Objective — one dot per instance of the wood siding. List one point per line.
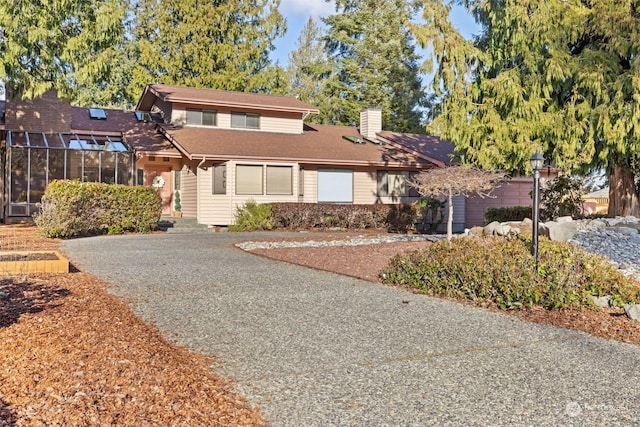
(270, 121)
(188, 194)
(213, 209)
(512, 193)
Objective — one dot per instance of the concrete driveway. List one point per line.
(318, 349)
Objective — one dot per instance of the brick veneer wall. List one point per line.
(44, 114)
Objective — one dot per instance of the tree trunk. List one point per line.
(450, 217)
(624, 194)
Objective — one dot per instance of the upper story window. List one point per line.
(245, 121)
(201, 117)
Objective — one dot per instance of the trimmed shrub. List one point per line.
(511, 213)
(500, 271)
(395, 218)
(252, 217)
(74, 208)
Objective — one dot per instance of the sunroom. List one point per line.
(33, 159)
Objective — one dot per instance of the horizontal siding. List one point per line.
(188, 194)
(213, 209)
(310, 185)
(281, 124)
(269, 121)
(511, 193)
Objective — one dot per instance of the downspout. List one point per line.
(201, 163)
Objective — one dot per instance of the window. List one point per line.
(394, 183)
(142, 116)
(248, 179)
(279, 180)
(201, 117)
(176, 180)
(220, 179)
(97, 114)
(140, 176)
(245, 121)
(335, 186)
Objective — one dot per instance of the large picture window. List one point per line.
(245, 121)
(395, 184)
(335, 186)
(249, 179)
(279, 180)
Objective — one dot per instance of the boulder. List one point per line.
(563, 219)
(602, 301)
(561, 232)
(476, 231)
(632, 311)
(491, 228)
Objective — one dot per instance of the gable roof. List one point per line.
(221, 98)
(318, 145)
(431, 147)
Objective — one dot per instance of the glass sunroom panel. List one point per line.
(91, 166)
(108, 165)
(56, 164)
(123, 173)
(38, 174)
(19, 174)
(74, 164)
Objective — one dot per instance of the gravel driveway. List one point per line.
(312, 348)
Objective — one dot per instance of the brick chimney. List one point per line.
(370, 122)
(47, 113)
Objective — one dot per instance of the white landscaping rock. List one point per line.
(561, 232)
(563, 219)
(602, 302)
(632, 311)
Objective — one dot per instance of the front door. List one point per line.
(160, 178)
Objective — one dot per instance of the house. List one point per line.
(219, 149)
(237, 147)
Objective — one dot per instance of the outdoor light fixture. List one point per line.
(537, 162)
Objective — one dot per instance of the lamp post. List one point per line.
(537, 162)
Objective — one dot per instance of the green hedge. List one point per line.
(395, 218)
(74, 208)
(512, 213)
(502, 272)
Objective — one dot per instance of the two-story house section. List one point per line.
(237, 147)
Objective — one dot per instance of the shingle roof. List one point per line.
(318, 144)
(213, 97)
(143, 137)
(429, 146)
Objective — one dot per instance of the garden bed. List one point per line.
(26, 262)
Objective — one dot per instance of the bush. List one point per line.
(74, 208)
(562, 197)
(252, 217)
(306, 216)
(502, 272)
(512, 213)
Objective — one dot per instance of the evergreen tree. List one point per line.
(222, 45)
(58, 44)
(376, 61)
(559, 76)
(309, 68)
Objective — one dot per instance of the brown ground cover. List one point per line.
(72, 354)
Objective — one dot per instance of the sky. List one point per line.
(297, 12)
